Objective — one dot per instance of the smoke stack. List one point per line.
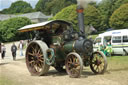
(81, 4)
(81, 20)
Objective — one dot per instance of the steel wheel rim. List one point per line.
(98, 63)
(34, 59)
(73, 66)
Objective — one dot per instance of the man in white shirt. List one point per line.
(21, 48)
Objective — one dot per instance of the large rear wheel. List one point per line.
(98, 62)
(74, 65)
(35, 58)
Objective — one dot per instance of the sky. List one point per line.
(6, 3)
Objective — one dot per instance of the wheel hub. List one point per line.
(98, 62)
(72, 65)
(35, 58)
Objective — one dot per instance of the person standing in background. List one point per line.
(21, 48)
(13, 50)
(3, 50)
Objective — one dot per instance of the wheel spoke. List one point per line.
(38, 52)
(69, 62)
(41, 60)
(94, 65)
(76, 71)
(96, 56)
(70, 59)
(31, 63)
(37, 67)
(99, 69)
(30, 54)
(74, 59)
(78, 67)
(96, 68)
(36, 48)
(102, 60)
(73, 71)
(102, 66)
(40, 65)
(40, 55)
(33, 50)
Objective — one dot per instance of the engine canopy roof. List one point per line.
(48, 25)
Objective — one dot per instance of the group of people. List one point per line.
(106, 49)
(13, 50)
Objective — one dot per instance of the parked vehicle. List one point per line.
(57, 44)
(117, 38)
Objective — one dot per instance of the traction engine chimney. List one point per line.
(81, 20)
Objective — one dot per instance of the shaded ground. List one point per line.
(16, 72)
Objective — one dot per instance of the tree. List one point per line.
(52, 6)
(41, 5)
(9, 28)
(119, 19)
(1, 32)
(18, 7)
(107, 7)
(92, 16)
(118, 3)
(106, 10)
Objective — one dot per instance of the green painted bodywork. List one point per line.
(60, 54)
(68, 47)
(61, 51)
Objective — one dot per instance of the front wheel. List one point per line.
(98, 62)
(74, 65)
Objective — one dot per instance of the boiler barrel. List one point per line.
(69, 46)
(83, 46)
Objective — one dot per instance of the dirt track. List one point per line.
(17, 71)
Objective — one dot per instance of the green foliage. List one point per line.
(118, 62)
(9, 28)
(18, 7)
(118, 3)
(52, 6)
(119, 19)
(91, 16)
(106, 10)
(107, 7)
(41, 5)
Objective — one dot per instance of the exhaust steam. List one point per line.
(84, 3)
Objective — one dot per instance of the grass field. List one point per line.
(117, 63)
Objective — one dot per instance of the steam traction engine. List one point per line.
(57, 44)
